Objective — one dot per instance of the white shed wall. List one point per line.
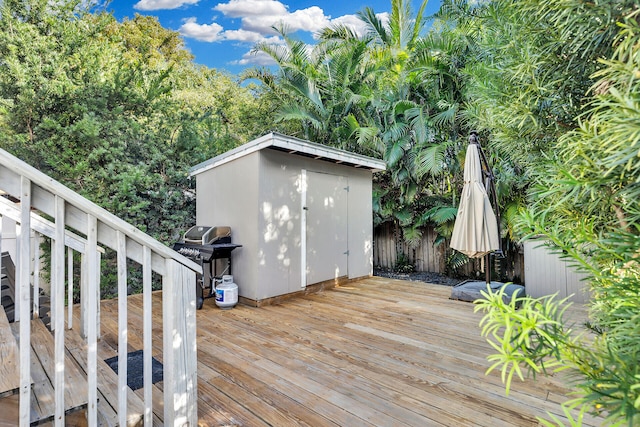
(280, 174)
(546, 274)
(278, 226)
(360, 224)
(260, 197)
(228, 196)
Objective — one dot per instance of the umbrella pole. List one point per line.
(487, 268)
(489, 186)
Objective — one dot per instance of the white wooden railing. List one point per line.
(77, 225)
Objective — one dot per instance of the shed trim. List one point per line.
(295, 146)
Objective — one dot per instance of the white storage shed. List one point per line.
(301, 211)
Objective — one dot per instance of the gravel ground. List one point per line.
(419, 276)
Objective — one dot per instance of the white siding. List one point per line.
(259, 197)
(360, 224)
(228, 196)
(546, 274)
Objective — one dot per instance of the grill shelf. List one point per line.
(218, 246)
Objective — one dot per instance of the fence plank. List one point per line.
(388, 245)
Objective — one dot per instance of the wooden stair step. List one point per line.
(9, 359)
(107, 385)
(43, 377)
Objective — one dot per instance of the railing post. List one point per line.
(40, 198)
(36, 277)
(57, 307)
(92, 319)
(69, 288)
(121, 244)
(84, 293)
(23, 302)
(147, 312)
(179, 347)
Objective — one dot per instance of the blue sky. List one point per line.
(221, 33)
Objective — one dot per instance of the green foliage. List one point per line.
(391, 93)
(585, 201)
(117, 111)
(526, 332)
(454, 261)
(403, 265)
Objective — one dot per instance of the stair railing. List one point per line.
(74, 224)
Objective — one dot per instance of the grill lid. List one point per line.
(206, 235)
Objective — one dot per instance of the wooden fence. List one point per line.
(390, 251)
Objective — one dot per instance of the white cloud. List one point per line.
(162, 4)
(243, 36)
(311, 19)
(255, 59)
(214, 32)
(353, 22)
(261, 15)
(257, 17)
(203, 32)
(244, 8)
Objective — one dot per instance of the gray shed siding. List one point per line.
(260, 197)
(228, 195)
(546, 274)
(278, 227)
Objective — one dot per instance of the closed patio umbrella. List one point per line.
(475, 232)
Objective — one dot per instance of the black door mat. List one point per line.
(135, 369)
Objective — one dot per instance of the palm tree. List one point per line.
(374, 94)
(322, 88)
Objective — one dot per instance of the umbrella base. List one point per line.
(469, 290)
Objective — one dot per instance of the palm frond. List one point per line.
(441, 214)
(430, 160)
(412, 236)
(393, 154)
(376, 30)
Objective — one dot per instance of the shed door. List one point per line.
(326, 227)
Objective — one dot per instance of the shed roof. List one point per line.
(289, 144)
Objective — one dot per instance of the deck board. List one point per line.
(42, 376)
(9, 368)
(107, 384)
(376, 352)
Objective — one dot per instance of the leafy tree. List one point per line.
(116, 111)
(389, 93)
(586, 203)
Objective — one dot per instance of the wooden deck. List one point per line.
(377, 352)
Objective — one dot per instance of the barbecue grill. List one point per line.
(205, 244)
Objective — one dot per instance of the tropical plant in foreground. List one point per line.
(587, 203)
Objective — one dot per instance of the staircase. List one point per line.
(9, 292)
(43, 376)
(9, 373)
(50, 373)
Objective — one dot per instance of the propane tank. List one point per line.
(226, 293)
